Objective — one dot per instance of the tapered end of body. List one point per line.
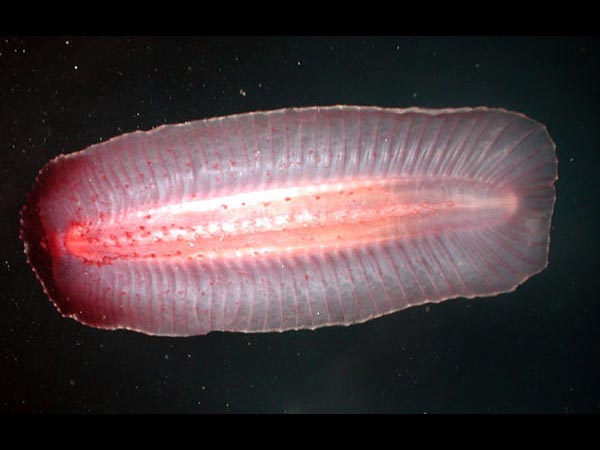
(39, 237)
(50, 209)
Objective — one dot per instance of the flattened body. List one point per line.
(288, 219)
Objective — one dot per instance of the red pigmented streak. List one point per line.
(288, 221)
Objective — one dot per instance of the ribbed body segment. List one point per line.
(289, 219)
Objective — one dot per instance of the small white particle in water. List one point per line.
(414, 95)
(166, 356)
(299, 63)
(242, 92)
(75, 67)
(571, 159)
(67, 42)
(477, 66)
(203, 388)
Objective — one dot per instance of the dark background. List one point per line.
(533, 350)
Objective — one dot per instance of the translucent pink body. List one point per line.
(291, 219)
